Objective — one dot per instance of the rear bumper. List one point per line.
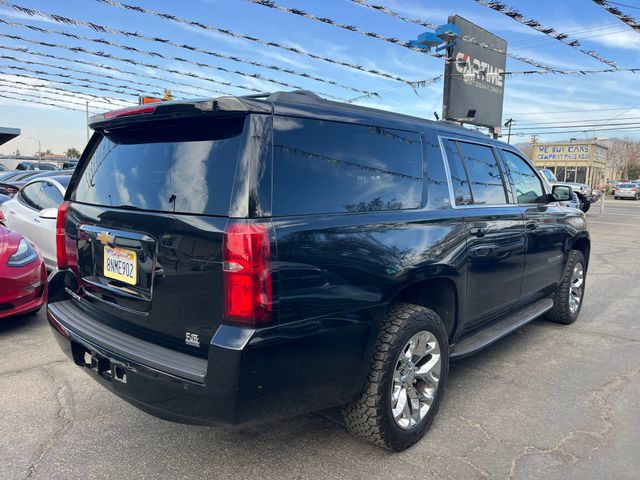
(625, 194)
(249, 375)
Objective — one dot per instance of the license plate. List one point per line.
(121, 264)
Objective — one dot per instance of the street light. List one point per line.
(39, 146)
(86, 104)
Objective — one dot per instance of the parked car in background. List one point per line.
(3, 168)
(627, 190)
(70, 165)
(14, 184)
(550, 179)
(36, 166)
(259, 257)
(33, 210)
(23, 275)
(4, 198)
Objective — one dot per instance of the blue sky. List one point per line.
(528, 99)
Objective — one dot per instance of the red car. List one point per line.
(23, 276)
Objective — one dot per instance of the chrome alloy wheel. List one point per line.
(576, 287)
(415, 380)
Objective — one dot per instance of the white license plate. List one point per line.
(121, 264)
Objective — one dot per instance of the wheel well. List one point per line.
(438, 294)
(583, 245)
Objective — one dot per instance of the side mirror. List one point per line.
(48, 213)
(562, 192)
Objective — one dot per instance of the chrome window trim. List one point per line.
(452, 199)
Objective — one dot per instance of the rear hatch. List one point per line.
(146, 220)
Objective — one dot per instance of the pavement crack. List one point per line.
(63, 414)
(42, 366)
(600, 437)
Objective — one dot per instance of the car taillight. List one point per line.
(61, 247)
(634, 189)
(246, 277)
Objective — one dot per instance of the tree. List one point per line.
(72, 153)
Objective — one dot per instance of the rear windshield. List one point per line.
(626, 185)
(184, 166)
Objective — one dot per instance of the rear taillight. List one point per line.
(61, 247)
(634, 189)
(246, 277)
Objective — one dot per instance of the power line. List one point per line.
(267, 43)
(619, 14)
(565, 122)
(529, 22)
(513, 114)
(564, 132)
(105, 66)
(165, 41)
(625, 5)
(427, 24)
(585, 125)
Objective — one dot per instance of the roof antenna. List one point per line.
(435, 114)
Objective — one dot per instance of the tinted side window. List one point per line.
(330, 167)
(487, 187)
(184, 166)
(459, 180)
(527, 184)
(50, 196)
(30, 195)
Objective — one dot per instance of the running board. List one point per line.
(479, 339)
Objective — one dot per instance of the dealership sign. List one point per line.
(561, 152)
(474, 80)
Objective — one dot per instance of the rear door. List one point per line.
(23, 209)
(495, 231)
(147, 215)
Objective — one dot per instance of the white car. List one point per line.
(33, 211)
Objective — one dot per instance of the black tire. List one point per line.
(561, 311)
(370, 416)
(615, 198)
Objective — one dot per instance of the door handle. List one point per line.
(478, 231)
(12, 212)
(36, 219)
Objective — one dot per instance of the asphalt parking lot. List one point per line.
(549, 401)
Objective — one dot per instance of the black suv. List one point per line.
(259, 257)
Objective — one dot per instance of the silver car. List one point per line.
(627, 190)
(33, 211)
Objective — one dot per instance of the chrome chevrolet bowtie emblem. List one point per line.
(105, 238)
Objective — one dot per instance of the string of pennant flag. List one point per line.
(465, 38)
(619, 14)
(242, 36)
(536, 25)
(103, 66)
(115, 31)
(155, 54)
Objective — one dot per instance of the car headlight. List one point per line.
(25, 254)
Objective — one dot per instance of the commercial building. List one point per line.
(583, 162)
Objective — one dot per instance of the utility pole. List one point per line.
(86, 104)
(39, 146)
(508, 124)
